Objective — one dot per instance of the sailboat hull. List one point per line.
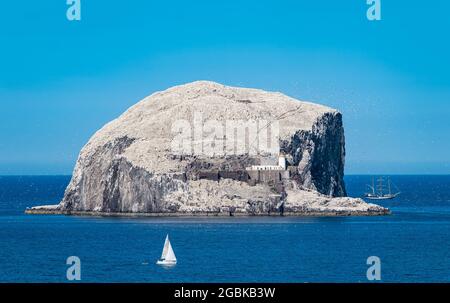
(385, 197)
(380, 198)
(166, 262)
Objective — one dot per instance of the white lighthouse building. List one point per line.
(281, 164)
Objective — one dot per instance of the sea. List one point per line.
(412, 244)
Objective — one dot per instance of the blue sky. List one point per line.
(60, 81)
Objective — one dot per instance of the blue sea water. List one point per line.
(413, 243)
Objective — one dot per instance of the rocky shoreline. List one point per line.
(51, 210)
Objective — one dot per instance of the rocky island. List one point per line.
(207, 149)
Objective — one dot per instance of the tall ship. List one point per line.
(379, 191)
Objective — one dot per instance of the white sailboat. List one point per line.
(167, 256)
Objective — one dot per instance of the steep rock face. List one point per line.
(319, 155)
(129, 166)
(108, 182)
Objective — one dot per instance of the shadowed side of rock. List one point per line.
(319, 156)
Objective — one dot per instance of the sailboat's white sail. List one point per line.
(167, 256)
(165, 248)
(170, 256)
